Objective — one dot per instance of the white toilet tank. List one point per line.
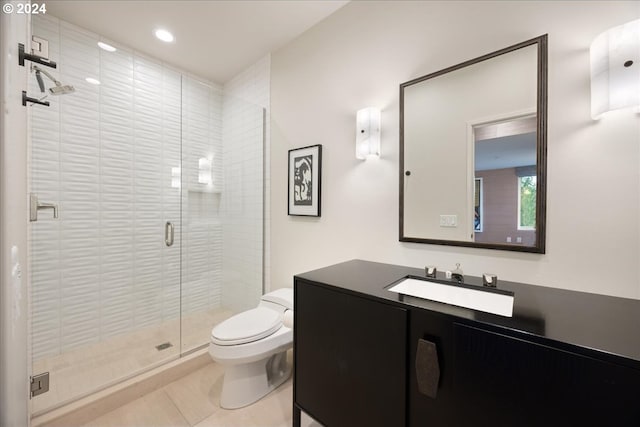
(282, 297)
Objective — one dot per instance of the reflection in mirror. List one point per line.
(505, 181)
(473, 152)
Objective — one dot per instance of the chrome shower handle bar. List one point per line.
(35, 206)
(168, 234)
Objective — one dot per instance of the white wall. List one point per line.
(358, 56)
(14, 311)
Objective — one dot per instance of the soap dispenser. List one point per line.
(457, 274)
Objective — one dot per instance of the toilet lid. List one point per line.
(248, 326)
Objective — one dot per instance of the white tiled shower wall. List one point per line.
(110, 155)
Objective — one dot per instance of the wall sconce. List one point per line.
(204, 170)
(175, 177)
(368, 133)
(615, 69)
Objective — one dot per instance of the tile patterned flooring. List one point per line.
(193, 401)
(84, 370)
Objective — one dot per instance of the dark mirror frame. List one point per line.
(541, 142)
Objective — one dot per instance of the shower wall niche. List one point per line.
(126, 160)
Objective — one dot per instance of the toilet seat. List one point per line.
(248, 326)
(252, 346)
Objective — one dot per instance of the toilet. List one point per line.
(252, 346)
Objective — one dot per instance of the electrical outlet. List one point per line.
(509, 239)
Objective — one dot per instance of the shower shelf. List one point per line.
(204, 190)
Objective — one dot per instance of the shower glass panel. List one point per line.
(243, 204)
(105, 285)
(160, 228)
(222, 263)
(202, 221)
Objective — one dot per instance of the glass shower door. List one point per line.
(105, 274)
(159, 181)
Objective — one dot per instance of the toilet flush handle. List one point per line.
(287, 318)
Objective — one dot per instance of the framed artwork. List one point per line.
(305, 172)
(477, 208)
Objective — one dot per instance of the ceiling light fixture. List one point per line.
(107, 47)
(92, 81)
(164, 35)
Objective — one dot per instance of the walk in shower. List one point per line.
(158, 181)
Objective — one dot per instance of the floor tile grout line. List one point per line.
(164, 389)
(186, 421)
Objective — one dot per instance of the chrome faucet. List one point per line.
(490, 280)
(430, 271)
(457, 274)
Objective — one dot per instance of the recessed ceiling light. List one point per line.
(92, 81)
(106, 47)
(164, 35)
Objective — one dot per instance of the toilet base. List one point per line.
(247, 383)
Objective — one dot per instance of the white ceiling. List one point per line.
(506, 152)
(213, 39)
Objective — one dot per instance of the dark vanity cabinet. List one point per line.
(349, 365)
(365, 357)
(523, 383)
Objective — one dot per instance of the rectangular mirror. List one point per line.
(473, 152)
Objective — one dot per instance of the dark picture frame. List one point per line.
(305, 181)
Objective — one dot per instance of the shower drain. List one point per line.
(164, 346)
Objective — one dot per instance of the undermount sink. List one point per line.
(489, 300)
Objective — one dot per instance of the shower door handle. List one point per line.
(168, 234)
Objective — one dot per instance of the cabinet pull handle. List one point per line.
(427, 368)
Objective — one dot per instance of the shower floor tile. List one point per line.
(84, 370)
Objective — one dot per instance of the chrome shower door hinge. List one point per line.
(39, 384)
